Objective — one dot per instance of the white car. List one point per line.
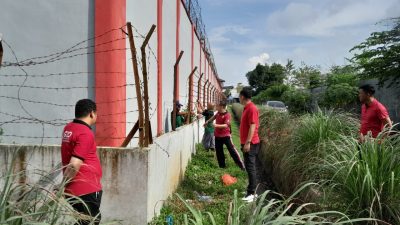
(276, 105)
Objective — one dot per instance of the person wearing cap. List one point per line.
(223, 136)
(180, 116)
(208, 140)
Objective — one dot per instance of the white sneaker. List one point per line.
(250, 198)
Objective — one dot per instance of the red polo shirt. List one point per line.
(78, 141)
(372, 118)
(223, 118)
(249, 116)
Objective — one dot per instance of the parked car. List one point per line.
(276, 105)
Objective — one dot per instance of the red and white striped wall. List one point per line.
(174, 33)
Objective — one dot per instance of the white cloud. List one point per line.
(323, 18)
(260, 59)
(220, 34)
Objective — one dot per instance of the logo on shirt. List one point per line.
(66, 136)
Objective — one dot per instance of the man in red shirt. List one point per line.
(374, 116)
(223, 136)
(81, 165)
(250, 142)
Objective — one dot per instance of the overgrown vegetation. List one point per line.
(360, 180)
(269, 210)
(203, 178)
(23, 202)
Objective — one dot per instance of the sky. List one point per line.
(243, 33)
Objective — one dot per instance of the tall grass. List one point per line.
(292, 143)
(364, 179)
(269, 210)
(35, 203)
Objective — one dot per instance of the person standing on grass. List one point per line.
(374, 115)
(81, 165)
(223, 136)
(208, 140)
(250, 142)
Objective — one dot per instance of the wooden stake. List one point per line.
(137, 83)
(204, 93)
(199, 88)
(175, 90)
(146, 86)
(189, 117)
(130, 135)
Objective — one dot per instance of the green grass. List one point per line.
(204, 176)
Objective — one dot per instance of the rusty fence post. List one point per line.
(189, 116)
(204, 93)
(199, 88)
(137, 83)
(147, 124)
(208, 91)
(175, 90)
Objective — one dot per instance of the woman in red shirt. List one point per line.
(223, 136)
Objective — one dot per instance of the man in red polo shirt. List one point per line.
(374, 116)
(250, 142)
(81, 164)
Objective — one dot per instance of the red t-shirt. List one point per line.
(372, 118)
(78, 141)
(223, 118)
(249, 116)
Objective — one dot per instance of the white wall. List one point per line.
(44, 27)
(37, 28)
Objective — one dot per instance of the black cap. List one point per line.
(178, 104)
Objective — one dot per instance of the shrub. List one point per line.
(274, 92)
(339, 95)
(297, 100)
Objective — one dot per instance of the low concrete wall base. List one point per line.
(135, 181)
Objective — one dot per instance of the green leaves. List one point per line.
(264, 76)
(379, 55)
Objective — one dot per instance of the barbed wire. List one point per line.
(63, 105)
(74, 51)
(66, 88)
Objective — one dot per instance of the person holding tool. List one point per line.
(223, 136)
(208, 140)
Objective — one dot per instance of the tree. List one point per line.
(264, 76)
(341, 87)
(297, 100)
(274, 92)
(307, 77)
(379, 55)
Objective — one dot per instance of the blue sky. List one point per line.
(243, 33)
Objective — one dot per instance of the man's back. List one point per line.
(78, 141)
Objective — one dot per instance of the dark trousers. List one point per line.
(252, 163)
(219, 148)
(89, 205)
